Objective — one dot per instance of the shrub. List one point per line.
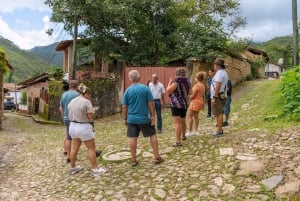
(24, 98)
(290, 93)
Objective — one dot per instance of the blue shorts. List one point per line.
(178, 112)
(226, 109)
(67, 125)
(133, 130)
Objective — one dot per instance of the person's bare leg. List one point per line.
(65, 141)
(68, 148)
(219, 118)
(133, 146)
(154, 145)
(183, 126)
(196, 120)
(76, 143)
(90, 144)
(178, 129)
(226, 117)
(190, 120)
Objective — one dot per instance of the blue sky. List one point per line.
(25, 22)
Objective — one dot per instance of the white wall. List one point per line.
(14, 96)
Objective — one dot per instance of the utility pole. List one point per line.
(295, 33)
(74, 54)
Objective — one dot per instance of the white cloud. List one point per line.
(266, 19)
(8, 6)
(27, 39)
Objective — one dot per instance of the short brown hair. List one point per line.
(200, 76)
(73, 84)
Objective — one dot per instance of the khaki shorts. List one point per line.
(217, 108)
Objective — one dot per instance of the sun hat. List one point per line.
(220, 62)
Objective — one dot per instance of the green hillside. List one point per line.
(49, 54)
(25, 63)
(279, 47)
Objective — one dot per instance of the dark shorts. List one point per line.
(218, 107)
(178, 112)
(67, 125)
(133, 130)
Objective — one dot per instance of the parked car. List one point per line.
(8, 105)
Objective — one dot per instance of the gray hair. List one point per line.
(133, 75)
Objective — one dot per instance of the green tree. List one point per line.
(152, 32)
(290, 93)
(24, 98)
(3, 69)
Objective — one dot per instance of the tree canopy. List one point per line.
(152, 31)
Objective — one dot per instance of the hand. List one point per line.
(152, 121)
(213, 101)
(171, 80)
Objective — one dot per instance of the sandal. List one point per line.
(177, 144)
(158, 160)
(134, 164)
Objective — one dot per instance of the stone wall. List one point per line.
(237, 70)
(105, 95)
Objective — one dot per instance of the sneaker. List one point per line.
(159, 131)
(98, 153)
(189, 134)
(217, 133)
(75, 170)
(225, 123)
(208, 117)
(99, 171)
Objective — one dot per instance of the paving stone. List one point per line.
(288, 189)
(226, 151)
(251, 167)
(272, 182)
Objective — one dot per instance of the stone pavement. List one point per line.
(253, 166)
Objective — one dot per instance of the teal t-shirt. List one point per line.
(137, 98)
(65, 100)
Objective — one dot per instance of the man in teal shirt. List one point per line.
(64, 102)
(136, 105)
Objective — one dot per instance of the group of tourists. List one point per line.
(141, 111)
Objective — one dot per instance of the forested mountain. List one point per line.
(279, 47)
(49, 54)
(25, 63)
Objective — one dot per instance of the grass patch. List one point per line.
(261, 101)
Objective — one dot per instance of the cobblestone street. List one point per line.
(250, 164)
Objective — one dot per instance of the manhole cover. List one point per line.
(119, 155)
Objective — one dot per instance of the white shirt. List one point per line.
(220, 76)
(157, 90)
